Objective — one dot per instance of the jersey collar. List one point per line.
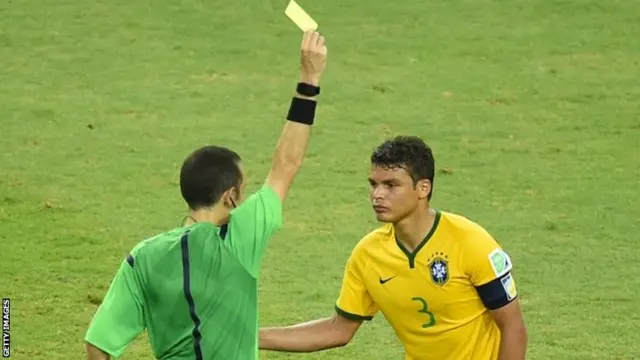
(412, 255)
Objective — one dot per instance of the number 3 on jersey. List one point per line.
(424, 309)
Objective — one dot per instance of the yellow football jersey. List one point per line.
(436, 298)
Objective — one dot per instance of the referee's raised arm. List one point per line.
(292, 145)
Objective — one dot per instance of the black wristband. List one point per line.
(302, 111)
(307, 89)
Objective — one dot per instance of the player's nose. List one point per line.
(379, 194)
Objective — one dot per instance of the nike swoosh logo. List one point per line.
(382, 281)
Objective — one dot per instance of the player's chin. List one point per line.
(385, 217)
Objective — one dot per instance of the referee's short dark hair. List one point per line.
(207, 173)
(410, 153)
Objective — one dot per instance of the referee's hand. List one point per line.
(313, 57)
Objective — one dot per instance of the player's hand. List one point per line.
(313, 57)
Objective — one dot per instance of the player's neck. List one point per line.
(411, 230)
(216, 215)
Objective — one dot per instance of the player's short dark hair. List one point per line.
(410, 153)
(207, 173)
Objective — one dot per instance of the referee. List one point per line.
(194, 288)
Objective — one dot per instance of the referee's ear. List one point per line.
(231, 198)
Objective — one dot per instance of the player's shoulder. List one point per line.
(465, 230)
(374, 239)
(477, 244)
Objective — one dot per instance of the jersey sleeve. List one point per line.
(119, 319)
(355, 302)
(252, 225)
(489, 269)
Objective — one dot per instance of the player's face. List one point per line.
(393, 194)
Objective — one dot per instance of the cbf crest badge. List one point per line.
(439, 268)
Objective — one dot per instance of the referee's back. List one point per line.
(197, 297)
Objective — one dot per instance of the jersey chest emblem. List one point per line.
(439, 268)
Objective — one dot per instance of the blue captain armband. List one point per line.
(498, 292)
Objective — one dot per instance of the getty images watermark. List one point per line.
(6, 320)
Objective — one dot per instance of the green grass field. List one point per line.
(532, 109)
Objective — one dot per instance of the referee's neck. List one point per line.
(215, 215)
(411, 230)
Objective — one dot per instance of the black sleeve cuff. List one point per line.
(350, 316)
(493, 294)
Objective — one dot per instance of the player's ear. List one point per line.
(424, 188)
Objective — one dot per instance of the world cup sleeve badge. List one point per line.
(500, 262)
(509, 286)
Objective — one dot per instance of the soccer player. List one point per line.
(441, 280)
(194, 288)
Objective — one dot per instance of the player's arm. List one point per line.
(316, 335)
(119, 319)
(489, 268)
(294, 138)
(354, 306)
(513, 343)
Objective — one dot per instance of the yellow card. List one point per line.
(300, 17)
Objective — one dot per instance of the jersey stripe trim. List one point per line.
(130, 260)
(223, 231)
(493, 294)
(184, 242)
(350, 316)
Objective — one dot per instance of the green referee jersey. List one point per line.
(194, 289)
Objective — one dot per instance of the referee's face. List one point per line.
(236, 197)
(392, 193)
